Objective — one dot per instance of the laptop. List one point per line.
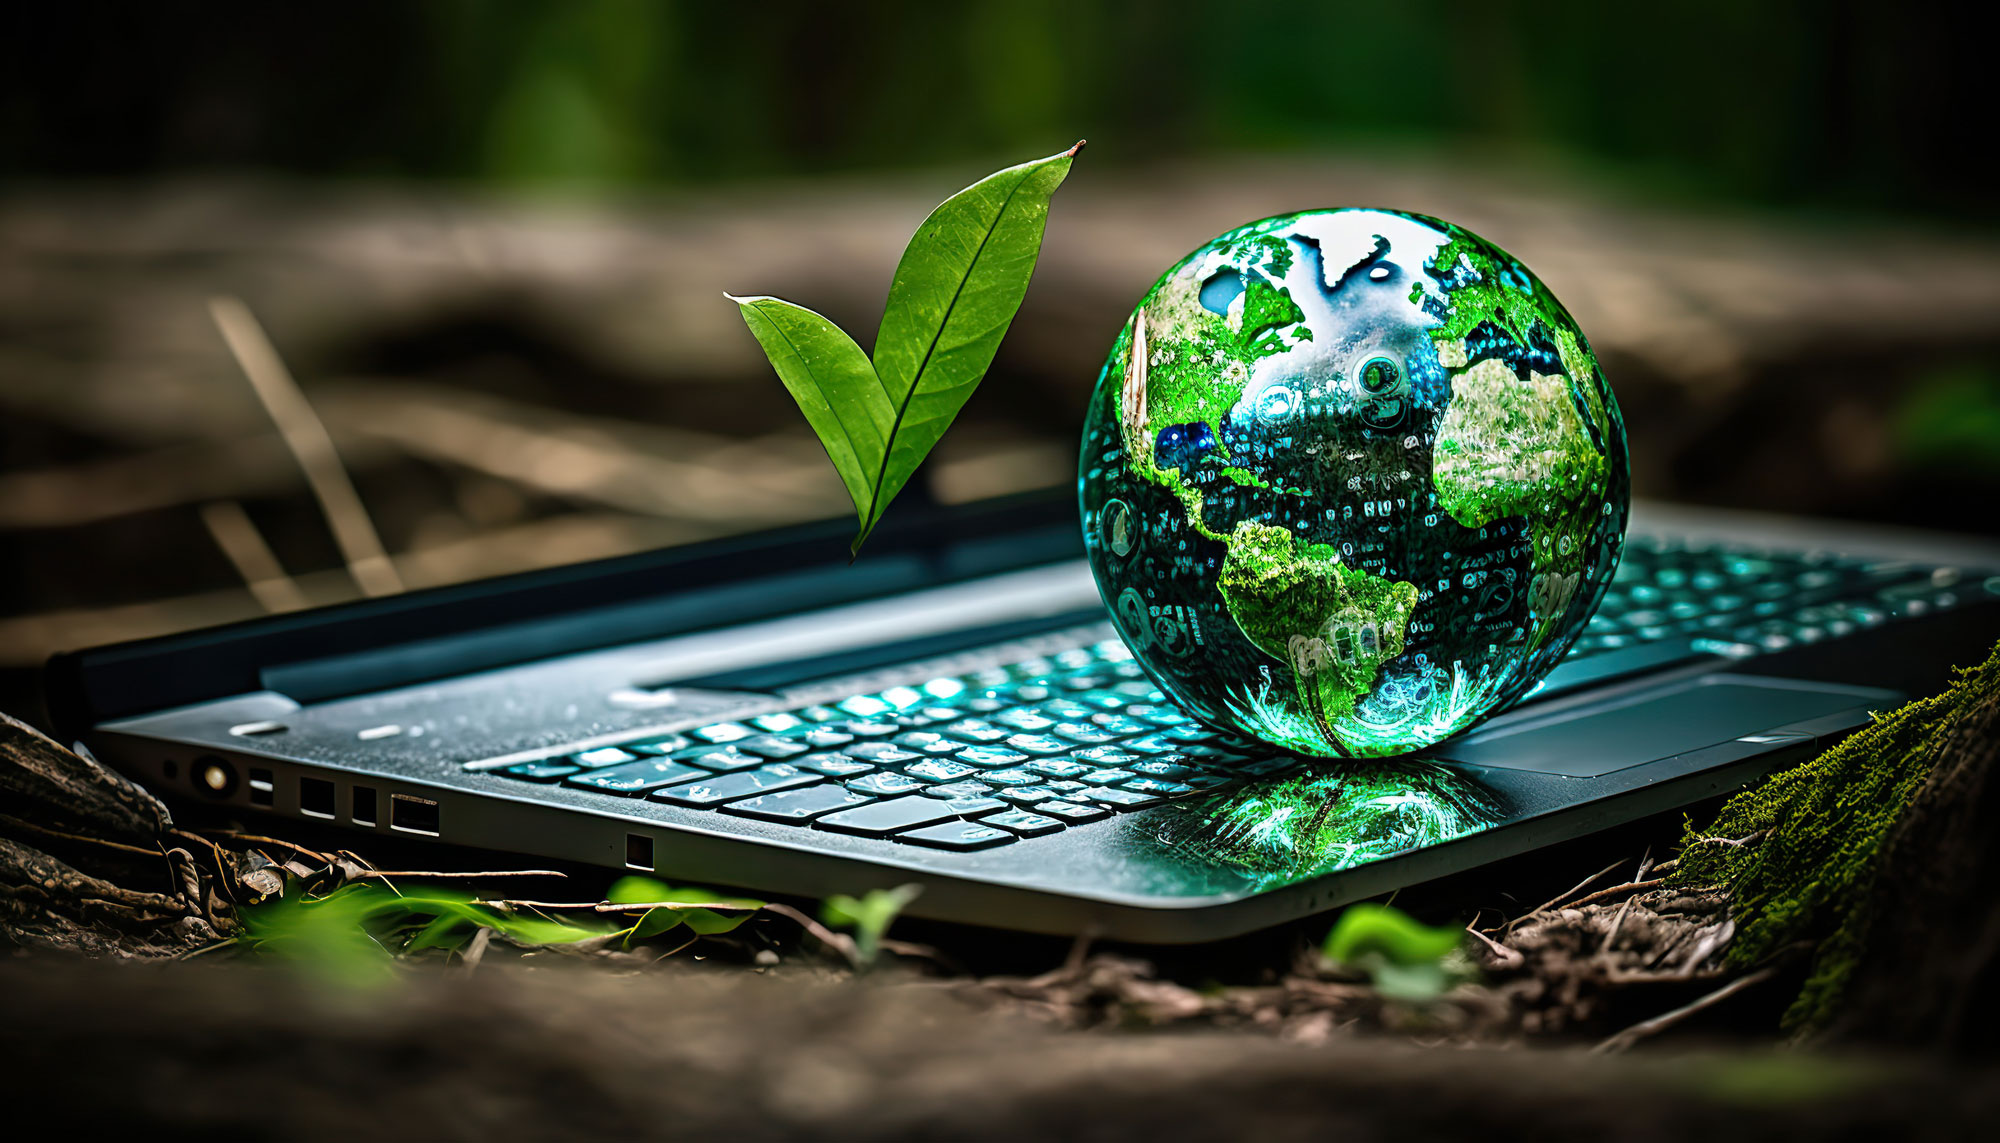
(954, 710)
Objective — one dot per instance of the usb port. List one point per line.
(316, 797)
(412, 814)
(638, 852)
(364, 806)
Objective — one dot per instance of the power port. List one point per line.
(412, 814)
(213, 776)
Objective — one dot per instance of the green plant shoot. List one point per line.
(677, 907)
(353, 933)
(957, 288)
(869, 916)
(1406, 960)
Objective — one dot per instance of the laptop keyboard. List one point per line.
(987, 758)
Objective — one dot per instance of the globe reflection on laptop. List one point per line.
(1351, 480)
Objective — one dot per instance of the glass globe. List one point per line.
(1351, 481)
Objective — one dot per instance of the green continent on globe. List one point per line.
(1508, 447)
(1188, 365)
(1334, 625)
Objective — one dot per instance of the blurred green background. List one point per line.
(1831, 104)
(490, 240)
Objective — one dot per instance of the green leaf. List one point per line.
(352, 933)
(833, 383)
(869, 915)
(957, 288)
(956, 291)
(632, 890)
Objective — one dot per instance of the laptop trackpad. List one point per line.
(1596, 740)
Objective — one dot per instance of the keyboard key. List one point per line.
(1022, 720)
(602, 756)
(987, 757)
(1022, 822)
(723, 732)
(880, 819)
(1057, 768)
(884, 785)
(1010, 778)
(1104, 755)
(1110, 777)
(1158, 786)
(939, 770)
(1038, 744)
(1152, 744)
(741, 784)
(1025, 795)
(825, 738)
(902, 698)
(927, 742)
(667, 745)
(636, 778)
(1065, 786)
(881, 753)
(1067, 710)
(776, 722)
(545, 770)
(1158, 715)
(1118, 725)
(724, 759)
(834, 765)
(1071, 812)
(866, 729)
(773, 747)
(1125, 800)
(959, 836)
(797, 805)
(863, 705)
(970, 807)
(976, 731)
(1160, 768)
(960, 790)
(1082, 733)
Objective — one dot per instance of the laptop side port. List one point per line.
(638, 852)
(316, 797)
(263, 790)
(213, 776)
(364, 806)
(412, 814)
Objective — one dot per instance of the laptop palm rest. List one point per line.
(1592, 741)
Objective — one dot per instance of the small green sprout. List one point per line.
(869, 917)
(677, 907)
(1405, 959)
